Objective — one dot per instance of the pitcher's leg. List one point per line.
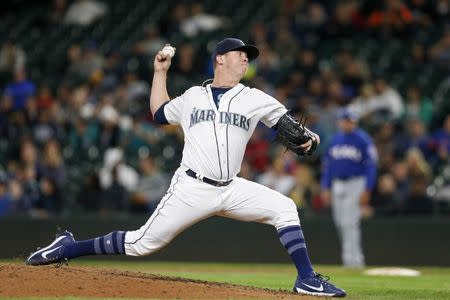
(171, 217)
(186, 203)
(252, 202)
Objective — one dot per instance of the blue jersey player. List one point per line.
(349, 175)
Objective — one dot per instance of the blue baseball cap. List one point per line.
(232, 44)
(347, 114)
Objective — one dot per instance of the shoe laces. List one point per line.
(323, 278)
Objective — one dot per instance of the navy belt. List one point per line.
(192, 174)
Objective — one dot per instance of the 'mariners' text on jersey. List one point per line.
(205, 115)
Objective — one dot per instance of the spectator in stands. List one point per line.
(52, 166)
(199, 21)
(354, 73)
(151, 188)
(171, 23)
(399, 170)
(49, 202)
(92, 61)
(73, 72)
(363, 105)
(414, 136)
(124, 174)
(257, 151)
(285, 43)
(268, 64)
(20, 90)
(441, 144)
(347, 19)
(419, 172)
(440, 51)
(279, 175)
(258, 34)
(28, 154)
(313, 18)
(44, 98)
(85, 12)
(394, 18)
(136, 92)
(27, 179)
(418, 106)
(46, 128)
(305, 187)
(151, 43)
(442, 9)
(5, 196)
(12, 59)
(28, 162)
(306, 61)
(385, 199)
(117, 180)
(384, 138)
(109, 127)
(387, 104)
(83, 135)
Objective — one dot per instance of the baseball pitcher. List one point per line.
(217, 120)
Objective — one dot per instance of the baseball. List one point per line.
(168, 50)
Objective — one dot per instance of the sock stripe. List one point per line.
(97, 246)
(101, 241)
(296, 247)
(114, 242)
(283, 231)
(294, 242)
(289, 236)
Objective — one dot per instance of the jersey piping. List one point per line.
(228, 158)
(169, 194)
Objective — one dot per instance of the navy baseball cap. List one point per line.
(347, 114)
(232, 44)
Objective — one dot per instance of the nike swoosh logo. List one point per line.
(45, 253)
(319, 289)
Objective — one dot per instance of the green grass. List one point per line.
(434, 283)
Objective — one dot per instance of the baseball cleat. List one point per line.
(53, 253)
(317, 286)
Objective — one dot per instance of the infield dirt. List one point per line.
(49, 281)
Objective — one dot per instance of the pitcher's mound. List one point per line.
(49, 281)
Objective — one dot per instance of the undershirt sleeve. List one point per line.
(160, 117)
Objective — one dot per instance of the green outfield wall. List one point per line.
(396, 241)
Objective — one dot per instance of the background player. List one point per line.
(349, 172)
(217, 120)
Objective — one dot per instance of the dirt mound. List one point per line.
(23, 281)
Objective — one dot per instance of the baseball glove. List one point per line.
(293, 134)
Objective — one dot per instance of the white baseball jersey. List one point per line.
(215, 139)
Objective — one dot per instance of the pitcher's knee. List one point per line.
(287, 215)
(142, 244)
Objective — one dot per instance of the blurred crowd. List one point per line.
(88, 142)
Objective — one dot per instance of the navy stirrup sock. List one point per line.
(293, 240)
(112, 243)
